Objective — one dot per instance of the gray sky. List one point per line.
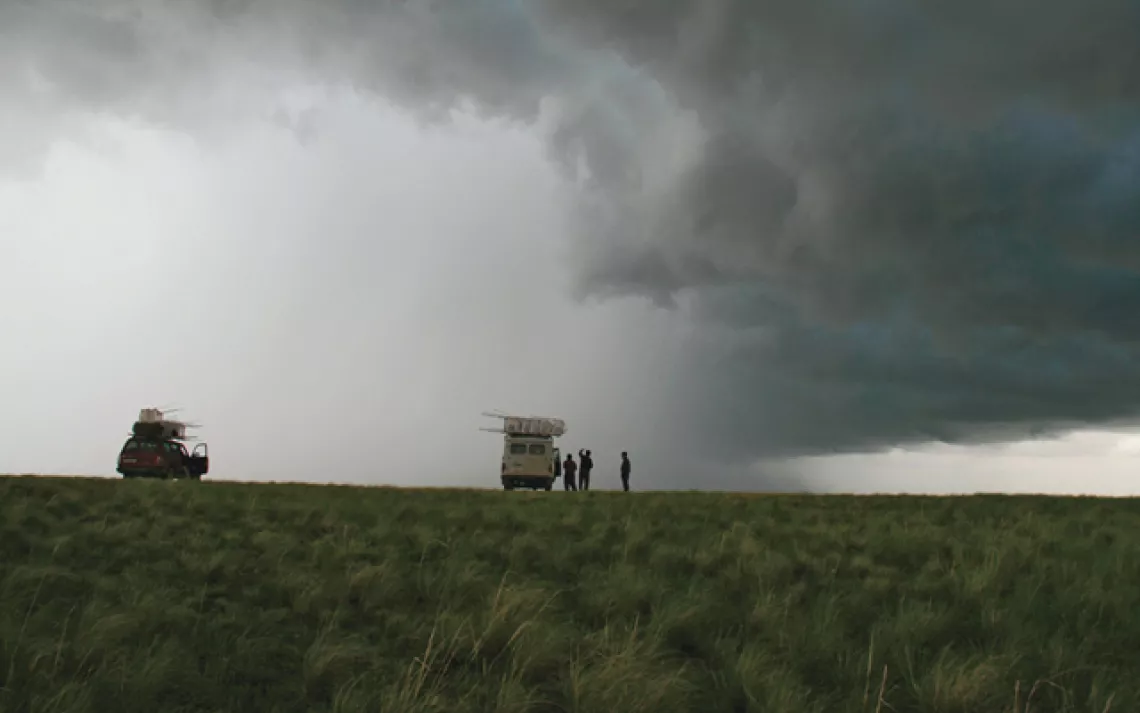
(726, 236)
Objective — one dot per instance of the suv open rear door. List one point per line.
(199, 463)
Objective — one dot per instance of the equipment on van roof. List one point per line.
(527, 425)
(530, 458)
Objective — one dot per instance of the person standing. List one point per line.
(585, 468)
(625, 468)
(569, 468)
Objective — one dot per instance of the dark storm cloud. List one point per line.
(927, 216)
(894, 221)
(802, 387)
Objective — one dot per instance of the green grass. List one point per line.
(153, 596)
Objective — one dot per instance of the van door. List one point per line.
(516, 458)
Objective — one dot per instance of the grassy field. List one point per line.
(153, 596)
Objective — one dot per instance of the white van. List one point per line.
(530, 462)
(530, 458)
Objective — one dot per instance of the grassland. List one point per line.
(152, 596)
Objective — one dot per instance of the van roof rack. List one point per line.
(540, 426)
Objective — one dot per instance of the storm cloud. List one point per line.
(887, 222)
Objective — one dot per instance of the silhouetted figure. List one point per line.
(569, 468)
(625, 468)
(584, 470)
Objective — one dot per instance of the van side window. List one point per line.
(518, 448)
(537, 449)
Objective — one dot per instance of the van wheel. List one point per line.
(507, 486)
(549, 486)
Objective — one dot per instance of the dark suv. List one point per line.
(143, 457)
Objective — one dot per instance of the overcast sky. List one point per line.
(735, 238)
